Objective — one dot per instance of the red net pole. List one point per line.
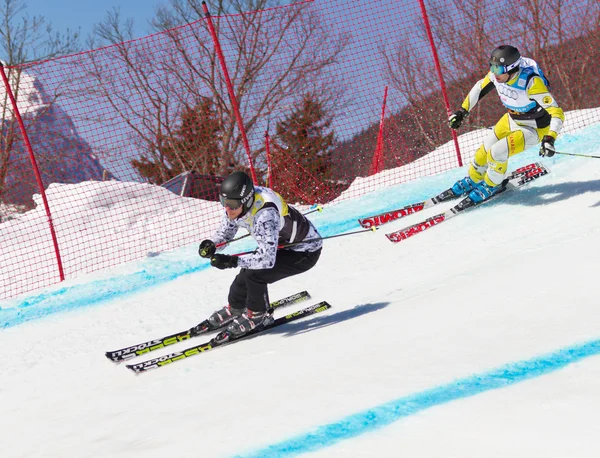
(438, 67)
(377, 165)
(121, 132)
(232, 96)
(36, 170)
(269, 168)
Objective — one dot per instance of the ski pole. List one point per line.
(287, 245)
(579, 155)
(318, 208)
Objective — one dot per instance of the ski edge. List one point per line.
(394, 215)
(161, 361)
(140, 349)
(518, 178)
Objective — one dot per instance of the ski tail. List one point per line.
(156, 344)
(212, 344)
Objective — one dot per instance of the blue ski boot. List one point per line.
(463, 186)
(483, 191)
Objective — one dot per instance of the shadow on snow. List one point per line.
(319, 322)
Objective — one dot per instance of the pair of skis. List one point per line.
(144, 348)
(516, 179)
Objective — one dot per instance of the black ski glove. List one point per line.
(547, 148)
(224, 261)
(207, 249)
(456, 119)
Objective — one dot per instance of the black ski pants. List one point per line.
(249, 289)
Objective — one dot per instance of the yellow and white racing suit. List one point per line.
(532, 114)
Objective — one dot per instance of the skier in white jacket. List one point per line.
(271, 222)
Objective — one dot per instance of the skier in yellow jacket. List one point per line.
(533, 117)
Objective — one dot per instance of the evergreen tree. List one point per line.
(301, 160)
(194, 145)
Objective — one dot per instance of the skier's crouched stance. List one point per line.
(271, 222)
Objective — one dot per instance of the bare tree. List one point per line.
(564, 37)
(273, 56)
(551, 31)
(25, 38)
(413, 83)
(463, 40)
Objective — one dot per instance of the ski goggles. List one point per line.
(497, 69)
(233, 204)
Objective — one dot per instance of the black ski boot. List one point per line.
(248, 321)
(217, 320)
(243, 324)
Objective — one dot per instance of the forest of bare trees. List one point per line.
(171, 82)
(168, 96)
(562, 36)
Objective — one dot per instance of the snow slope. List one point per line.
(476, 338)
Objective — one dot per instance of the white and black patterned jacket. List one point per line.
(271, 222)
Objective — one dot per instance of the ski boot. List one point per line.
(463, 186)
(243, 324)
(248, 321)
(217, 320)
(482, 192)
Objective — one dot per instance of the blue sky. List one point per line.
(74, 14)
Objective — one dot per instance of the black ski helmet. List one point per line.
(237, 187)
(505, 59)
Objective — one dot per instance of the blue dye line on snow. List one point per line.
(385, 414)
(38, 306)
(77, 296)
(342, 218)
